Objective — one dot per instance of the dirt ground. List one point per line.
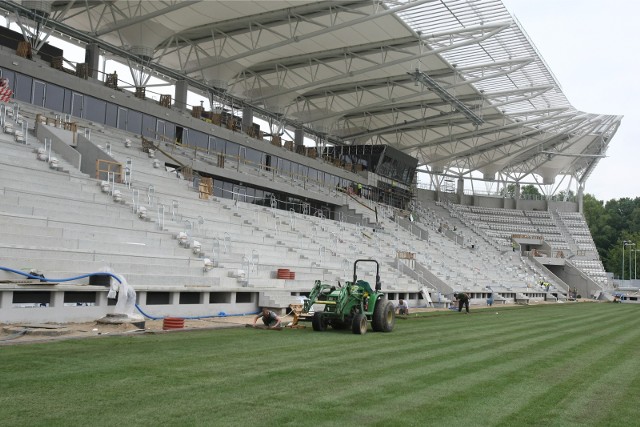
(43, 332)
(22, 333)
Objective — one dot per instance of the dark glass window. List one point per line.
(111, 115)
(134, 122)
(94, 109)
(149, 126)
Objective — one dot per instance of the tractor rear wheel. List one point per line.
(318, 322)
(359, 324)
(384, 316)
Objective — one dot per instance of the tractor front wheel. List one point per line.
(384, 316)
(359, 325)
(318, 322)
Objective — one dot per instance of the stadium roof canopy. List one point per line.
(455, 83)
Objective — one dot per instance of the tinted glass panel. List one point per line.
(134, 121)
(198, 139)
(253, 157)
(95, 109)
(22, 88)
(148, 126)
(54, 99)
(37, 95)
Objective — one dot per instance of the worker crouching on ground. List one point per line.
(269, 318)
(463, 300)
(403, 307)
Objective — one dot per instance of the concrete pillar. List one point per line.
(6, 299)
(141, 297)
(174, 298)
(247, 118)
(92, 58)
(581, 197)
(460, 190)
(101, 299)
(516, 192)
(298, 138)
(181, 95)
(57, 299)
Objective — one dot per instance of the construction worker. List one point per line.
(269, 318)
(463, 300)
(403, 307)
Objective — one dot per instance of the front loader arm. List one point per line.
(319, 288)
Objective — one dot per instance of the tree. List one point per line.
(508, 191)
(566, 195)
(610, 224)
(530, 190)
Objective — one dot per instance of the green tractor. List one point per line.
(351, 305)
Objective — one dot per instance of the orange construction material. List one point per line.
(283, 273)
(172, 323)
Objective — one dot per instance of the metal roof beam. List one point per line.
(413, 105)
(400, 79)
(447, 119)
(416, 93)
(612, 128)
(531, 158)
(430, 83)
(554, 112)
(245, 24)
(298, 37)
(332, 54)
(485, 32)
(141, 18)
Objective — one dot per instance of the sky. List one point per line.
(592, 48)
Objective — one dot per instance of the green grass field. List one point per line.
(547, 365)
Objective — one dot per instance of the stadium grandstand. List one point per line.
(329, 131)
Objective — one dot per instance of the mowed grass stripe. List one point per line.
(498, 368)
(426, 379)
(477, 344)
(482, 326)
(562, 396)
(354, 382)
(470, 380)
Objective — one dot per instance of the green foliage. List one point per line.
(612, 223)
(565, 196)
(564, 365)
(508, 191)
(530, 190)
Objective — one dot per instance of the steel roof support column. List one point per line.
(247, 119)
(299, 137)
(581, 197)
(92, 58)
(460, 190)
(182, 88)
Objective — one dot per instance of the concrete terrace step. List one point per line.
(78, 267)
(33, 225)
(52, 243)
(36, 254)
(62, 216)
(31, 204)
(79, 230)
